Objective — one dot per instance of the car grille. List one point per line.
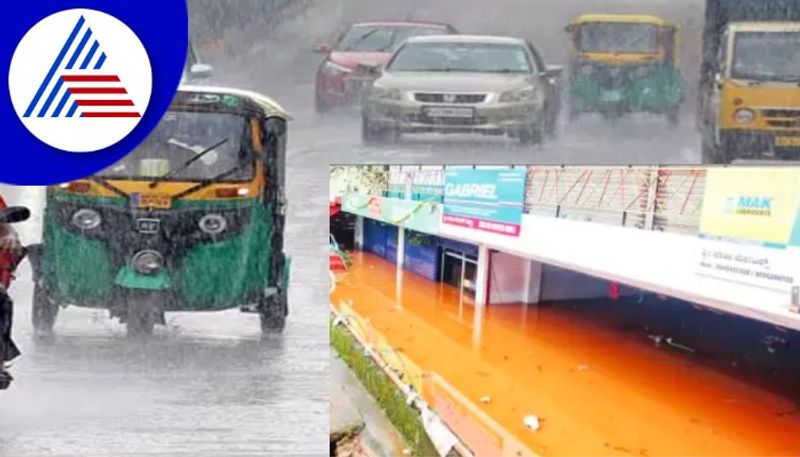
(427, 97)
(451, 121)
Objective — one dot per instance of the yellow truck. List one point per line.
(750, 83)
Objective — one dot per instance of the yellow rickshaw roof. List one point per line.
(270, 106)
(627, 18)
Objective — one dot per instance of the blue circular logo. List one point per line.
(87, 82)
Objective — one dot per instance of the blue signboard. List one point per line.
(491, 200)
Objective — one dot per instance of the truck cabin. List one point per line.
(720, 13)
(760, 52)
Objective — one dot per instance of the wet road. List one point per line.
(206, 385)
(203, 386)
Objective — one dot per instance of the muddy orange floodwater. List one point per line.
(597, 390)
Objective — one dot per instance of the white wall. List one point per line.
(661, 262)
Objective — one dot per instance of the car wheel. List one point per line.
(531, 135)
(44, 313)
(372, 134)
(320, 105)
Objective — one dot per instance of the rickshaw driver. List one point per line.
(10, 252)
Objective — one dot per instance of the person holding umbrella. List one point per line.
(11, 254)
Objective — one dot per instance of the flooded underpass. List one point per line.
(603, 377)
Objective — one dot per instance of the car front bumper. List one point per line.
(486, 118)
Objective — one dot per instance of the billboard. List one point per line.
(753, 204)
(490, 200)
(415, 215)
(757, 211)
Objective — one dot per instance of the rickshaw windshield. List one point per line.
(180, 137)
(618, 37)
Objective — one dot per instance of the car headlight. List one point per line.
(744, 116)
(212, 224)
(334, 69)
(147, 262)
(86, 219)
(520, 95)
(384, 93)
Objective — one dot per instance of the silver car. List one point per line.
(462, 84)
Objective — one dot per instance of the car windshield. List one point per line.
(767, 56)
(462, 57)
(362, 38)
(181, 136)
(618, 37)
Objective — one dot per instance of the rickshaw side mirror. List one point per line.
(14, 214)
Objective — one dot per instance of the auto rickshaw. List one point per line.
(191, 220)
(624, 64)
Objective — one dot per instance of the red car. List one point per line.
(340, 80)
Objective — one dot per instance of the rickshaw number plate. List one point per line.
(151, 201)
(611, 96)
(787, 141)
(148, 225)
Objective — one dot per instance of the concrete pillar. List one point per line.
(533, 278)
(401, 247)
(359, 235)
(481, 293)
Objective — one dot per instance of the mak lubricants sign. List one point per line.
(489, 200)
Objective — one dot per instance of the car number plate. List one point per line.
(611, 96)
(787, 141)
(151, 201)
(461, 113)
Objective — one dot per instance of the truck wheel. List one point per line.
(44, 313)
(142, 312)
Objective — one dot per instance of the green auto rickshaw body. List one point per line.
(203, 243)
(625, 79)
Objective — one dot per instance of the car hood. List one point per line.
(453, 82)
(351, 60)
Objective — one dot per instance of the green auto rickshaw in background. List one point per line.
(191, 220)
(624, 64)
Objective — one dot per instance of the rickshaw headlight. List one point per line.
(86, 219)
(147, 262)
(212, 224)
(586, 69)
(744, 116)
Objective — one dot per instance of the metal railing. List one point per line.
(663, 198)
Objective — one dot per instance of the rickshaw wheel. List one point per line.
(44, 313)
(273, 314)
(141, 313)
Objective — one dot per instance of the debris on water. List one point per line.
(657, 339)
(583, 367)
(485, 399)
(532, 422)
(682, 347)
(406, 451)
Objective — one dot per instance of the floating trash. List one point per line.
(532, 422)
(485, 399)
